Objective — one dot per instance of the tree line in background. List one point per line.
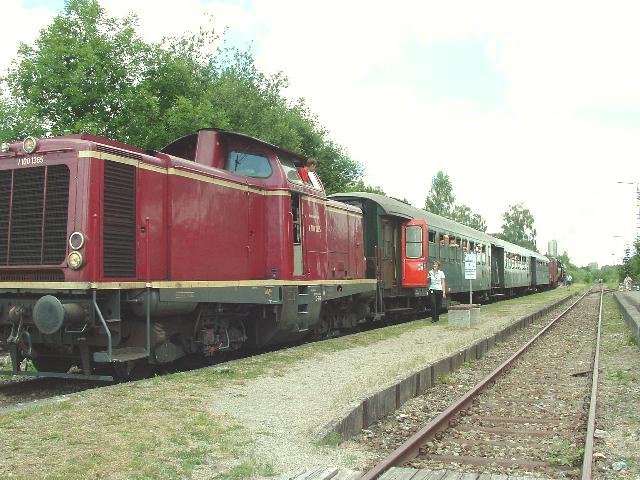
(88, 72)
(610, 274)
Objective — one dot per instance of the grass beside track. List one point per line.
(164, 427)
(618, 399)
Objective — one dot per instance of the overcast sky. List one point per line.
(532, 102)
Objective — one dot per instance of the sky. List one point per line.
(519, 102)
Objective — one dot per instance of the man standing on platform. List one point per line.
(437, 290)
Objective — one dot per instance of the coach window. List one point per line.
(432, 243)
(249, 164)
(443, 246)
(413, 237)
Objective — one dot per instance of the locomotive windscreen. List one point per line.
(184, 147)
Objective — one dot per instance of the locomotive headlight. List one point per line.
(29, 145)
(76, 240)
(74, 260)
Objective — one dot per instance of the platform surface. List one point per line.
(629, 304)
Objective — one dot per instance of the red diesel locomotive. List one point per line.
(111, 255)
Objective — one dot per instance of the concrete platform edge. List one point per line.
(630, 313)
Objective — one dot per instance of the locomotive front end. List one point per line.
(46, 256)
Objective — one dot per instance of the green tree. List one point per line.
(634, 263)
(625, 268)
(463, 214)
(440, 199)
(90, 72)
(518, 227)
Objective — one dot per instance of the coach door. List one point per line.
(388, 254)
(414, 254)
(497, 267)
(532, 268)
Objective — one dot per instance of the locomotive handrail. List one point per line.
(148, 309)
(104, 324)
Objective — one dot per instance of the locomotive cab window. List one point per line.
(249, 164)
(414, 241)
(290, 170)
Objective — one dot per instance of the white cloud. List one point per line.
(20, 26)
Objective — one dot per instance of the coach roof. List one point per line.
(397, 208)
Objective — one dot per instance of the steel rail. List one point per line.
(411, 447)
(587, 459)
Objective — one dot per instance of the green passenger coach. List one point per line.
(402, 242)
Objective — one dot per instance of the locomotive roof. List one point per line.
(397, 208)
(242, 136)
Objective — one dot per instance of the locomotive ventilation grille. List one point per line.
(119, 220)
(33, 215)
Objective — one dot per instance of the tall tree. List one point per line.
(440, 199)
(464, 215)
(518, 227)
(90, 72)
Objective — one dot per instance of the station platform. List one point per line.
(629, 305)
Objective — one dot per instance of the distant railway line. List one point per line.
(534, 413)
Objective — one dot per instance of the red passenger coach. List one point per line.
(111, 255)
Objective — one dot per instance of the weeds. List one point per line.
(332, 439)
(444, 379)
(566, 454)
(249, 469)
(619, 375)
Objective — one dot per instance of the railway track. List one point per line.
(18, 394)
(534, 414)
